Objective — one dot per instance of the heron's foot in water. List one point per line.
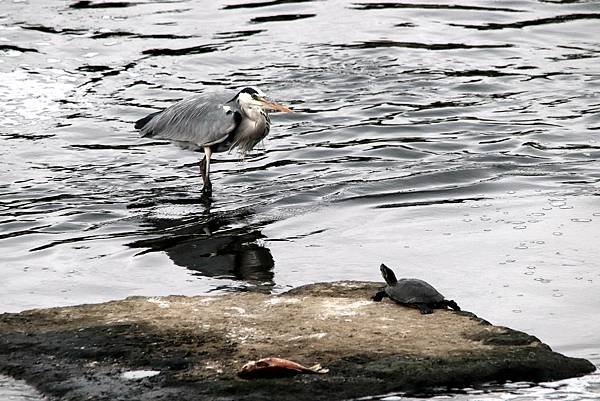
(207, 189)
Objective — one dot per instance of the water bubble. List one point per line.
(537, 214)
(566, 207)
(522, 246)
(540, 242)
(530, 267)
(557, 294)
(467, 220)
(528, 273)
(517, 310)
(581, 220)
(520, 227)
(557, 233)
(596, 214)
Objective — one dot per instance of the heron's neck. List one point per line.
(252, 113)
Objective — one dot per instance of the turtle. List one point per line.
(412, 292)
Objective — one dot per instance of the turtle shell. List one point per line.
(412, 291)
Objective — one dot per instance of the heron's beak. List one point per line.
(267, 104)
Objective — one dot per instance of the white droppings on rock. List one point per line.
(206, 300)
(309, 336)
(347, 284)
(238, 310)
(160, 302)
(340, 307)
(139, 374)
(281, 300)
(242, 334)
(214, 366)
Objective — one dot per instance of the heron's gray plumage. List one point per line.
(214, 120)
(199, 120)
(213, 123)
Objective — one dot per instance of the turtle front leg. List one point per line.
(451, 304)
(424, 308)
(379, 296)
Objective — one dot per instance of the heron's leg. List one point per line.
(203, 169)
(207, 188)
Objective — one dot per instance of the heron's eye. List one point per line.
(255, 96)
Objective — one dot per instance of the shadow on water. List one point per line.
(263, 4)
(559, 19)
(279, 18)
(212, 245)
(414, 45)
(200, 49)
(81, 4)
(387, 5)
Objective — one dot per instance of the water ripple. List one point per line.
(398, 106)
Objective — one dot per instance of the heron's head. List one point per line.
(255, 98)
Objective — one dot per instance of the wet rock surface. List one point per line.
(190, 348)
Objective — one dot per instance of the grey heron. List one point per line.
(213, 123)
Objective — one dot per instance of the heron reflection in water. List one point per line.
(213, 123)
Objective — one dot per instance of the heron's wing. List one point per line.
(202, 120)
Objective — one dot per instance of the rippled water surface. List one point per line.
(456, 141)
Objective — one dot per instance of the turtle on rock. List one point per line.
(412, 292)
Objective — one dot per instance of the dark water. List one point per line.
(457, 141)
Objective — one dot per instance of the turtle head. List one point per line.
(388, 275)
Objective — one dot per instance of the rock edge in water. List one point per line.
(199, 343)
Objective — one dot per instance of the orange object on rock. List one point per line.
(276, 367)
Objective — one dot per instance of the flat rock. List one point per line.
(190, 348)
